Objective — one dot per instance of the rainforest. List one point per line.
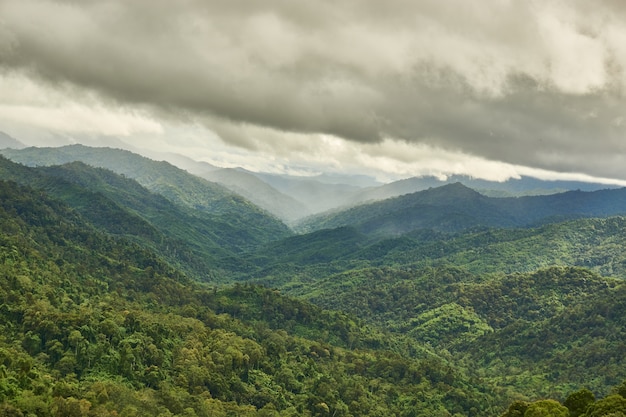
(132, 287)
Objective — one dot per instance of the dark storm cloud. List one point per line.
(531, 83)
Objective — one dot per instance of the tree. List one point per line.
(516, 409)
(578, 402)
(546, 408)
(611, 404)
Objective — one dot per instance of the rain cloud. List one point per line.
(537, 84)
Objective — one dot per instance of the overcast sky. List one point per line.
(392, 88)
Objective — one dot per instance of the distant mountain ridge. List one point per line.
(455, 207)
(7, 141)
(200, 243)
(316, 195)
(209, 188)
(259, 192)
(513, 187)
(290, 198)
(157, 176)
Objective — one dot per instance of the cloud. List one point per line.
(537, 83)
(68, 111)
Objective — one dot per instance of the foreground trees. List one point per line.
(96, 326)
(581, 403)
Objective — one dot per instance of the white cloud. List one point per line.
(68, 112)
(456, 83)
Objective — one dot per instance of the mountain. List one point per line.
(7, 141)
(99, 326)
(158, 176)
(165, 179)
(455, 207)
(449, 208)
(201, 244)
(198, 168)
(436, 303)
(560, 325)
(290, 204)
(259, 192)
(316, 196)
(513, 187)
(241, 182)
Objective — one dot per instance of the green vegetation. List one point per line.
(159, 297)
(592, 243)
(201, 244)
(454, 208)
(538, 333)
(581, 403)
(93, 325)
(164, 179)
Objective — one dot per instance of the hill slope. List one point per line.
(300, 261)
(454, 207)
(98, 326)
(260, 193)
(542, 333)
(524, 186)
(593, 243)
(200, 243)
(7, 141)
(160, 177)
(165, 179)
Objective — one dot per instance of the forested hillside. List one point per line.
(196, 241)
(259, 192)
(455, 207)
(94, 325)
(539, 333)
(595, 243)
(162, 178)
(547, 330)
(118, 299)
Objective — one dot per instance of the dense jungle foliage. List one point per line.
(117, 299)
(93, 325)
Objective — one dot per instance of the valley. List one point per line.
(134, 287)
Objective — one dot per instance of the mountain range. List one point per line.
(183, 217)
(513, 187)
(7, 141)
(290, 198)
(455, 207)
(134, 287)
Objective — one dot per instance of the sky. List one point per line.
(493, 89)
